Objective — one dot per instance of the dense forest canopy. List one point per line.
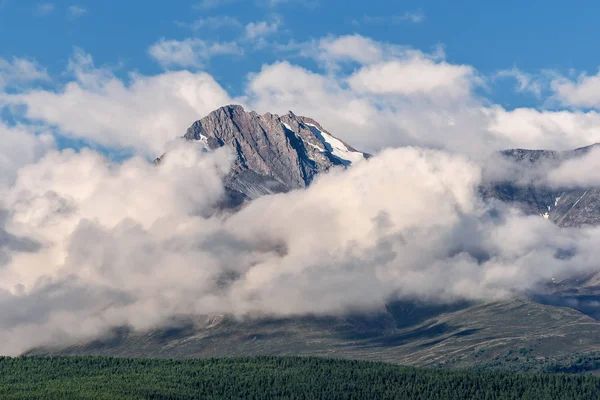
(271, 378)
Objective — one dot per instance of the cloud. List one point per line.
(310, 4)
(582, 92)
(372, 94)
(553, 130)
(257, 31)
(525, 82)
(213, 23)
(352, 48)
(387, 103)
(78, 209)
(135, 244)
(417, 75)
(21, 145)
(416, 17)
(190, 52)
(211, 4)
(19, 71)
(43, 9)
(141, 114)
(576, 172)
(333, 51)
(76, 11)
(10, 244)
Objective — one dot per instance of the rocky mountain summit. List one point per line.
(567, 207)
(274, 153)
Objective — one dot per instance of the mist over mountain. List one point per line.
(252, 218)
(559, 186)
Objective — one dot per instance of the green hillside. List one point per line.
(520, 335)
(271, 378)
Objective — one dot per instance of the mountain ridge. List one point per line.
(273, 154)
(276, 154)
(565, 206)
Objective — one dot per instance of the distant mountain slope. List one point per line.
(274, 153)
(521, 335)
(568, 207)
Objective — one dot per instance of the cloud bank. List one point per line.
(136, 244)
(371, 94)
(87, 244)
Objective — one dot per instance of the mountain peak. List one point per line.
(274, 153)
(566, 206)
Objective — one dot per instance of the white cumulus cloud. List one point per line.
(76, 11)
(19, 71)
(141, 114)
(190, 52)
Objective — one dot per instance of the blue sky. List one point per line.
(527, 69)
(532, 35)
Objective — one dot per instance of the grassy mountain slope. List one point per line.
(522, 335)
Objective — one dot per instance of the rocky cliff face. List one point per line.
(567, 207)
(273, 153)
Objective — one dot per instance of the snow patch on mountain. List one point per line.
(336, 146)
(203, 140)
